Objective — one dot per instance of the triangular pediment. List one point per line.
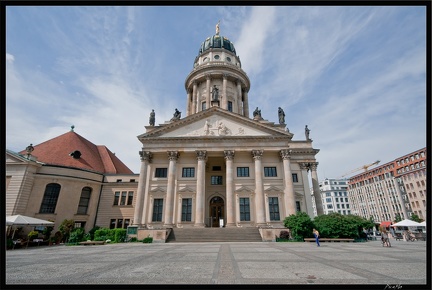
(158, 189)
(186, 189)
(216, 122)
(243, 189)
(272, 189)
(16, 158)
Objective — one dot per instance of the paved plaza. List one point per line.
(401, 265)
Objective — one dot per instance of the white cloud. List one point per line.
(10, 58)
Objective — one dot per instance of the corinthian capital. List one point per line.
(309, 165)
(145, 155)
(257, 154)
(285, 154)
(229, 154)
(201, 154)
(173, 155)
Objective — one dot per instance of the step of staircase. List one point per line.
(202, 235)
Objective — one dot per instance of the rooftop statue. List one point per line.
(217, 28)
(152, 118)
(281, 115)
(177, 115)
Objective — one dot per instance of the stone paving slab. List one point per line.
(402, 265)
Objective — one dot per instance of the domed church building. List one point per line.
(217, 166)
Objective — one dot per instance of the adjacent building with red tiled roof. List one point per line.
(69, 177)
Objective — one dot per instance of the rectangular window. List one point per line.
(161, 172)
(123, 198)
(274, 208)
(119, 223)
(216, 180)
(270, 172)
(230, 108)
(298, 208)
(188, 172)
(203, 106)
(130, 198)
(157, 209)
(328, 199)
(112, 224)
(126, 223)
(244, 209)
(186, 210)
(242, 171)
(116, 198)
(217, 168)
(294, 177)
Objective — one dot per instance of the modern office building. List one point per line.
(395, 188)
(334, 196)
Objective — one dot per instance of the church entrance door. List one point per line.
(216, 210)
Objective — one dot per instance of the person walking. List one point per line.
(316, 235)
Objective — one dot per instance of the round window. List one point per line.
(205, 59)
(228, 59)
(216, 56)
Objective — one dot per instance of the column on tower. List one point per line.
(230, 211)
(239, 98)
(169, 206)
(194, 98)
(199, 206)
(139, 213)
(259, 188)
(224, 92)
(245, 103)
(208, 79)
(189, 103)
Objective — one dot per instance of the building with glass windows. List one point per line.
(217, 166)
(395, 188)
(334, 196)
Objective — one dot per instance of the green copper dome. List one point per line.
(217, 41)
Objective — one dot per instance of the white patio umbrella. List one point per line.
(423, 224)
(406, 223)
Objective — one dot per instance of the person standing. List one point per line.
(316, 235)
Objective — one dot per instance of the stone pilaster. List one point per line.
(169, 206)
(208, 79)
(200, 198)
(245, 104)
(259, 188)
(224, 92)
(195, 98)
(230, 211)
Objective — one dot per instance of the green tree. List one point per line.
(300, 225)
(415, 218)
(66, 228)
(398, 218)
(335, 225)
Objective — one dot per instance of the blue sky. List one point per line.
(356, 75)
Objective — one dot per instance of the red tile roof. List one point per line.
(93, 157)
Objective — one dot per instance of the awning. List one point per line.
(385, 224)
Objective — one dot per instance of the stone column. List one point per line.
(308, 195)
(259, 188)
(224, 92)
(168, 212)
(239, 99)
(200, 198)
(289, 197)
(245, 104)
(195, 98)
(189, 103)
(315, 185)
(208, 78)
(230, 212)
(142, 184)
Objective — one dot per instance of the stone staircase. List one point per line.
(203, 235)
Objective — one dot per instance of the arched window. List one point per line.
(84, 200)
(50, 198)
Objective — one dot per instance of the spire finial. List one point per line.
(72, 128)
(217, 28)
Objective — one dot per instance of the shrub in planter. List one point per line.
(148, 240)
